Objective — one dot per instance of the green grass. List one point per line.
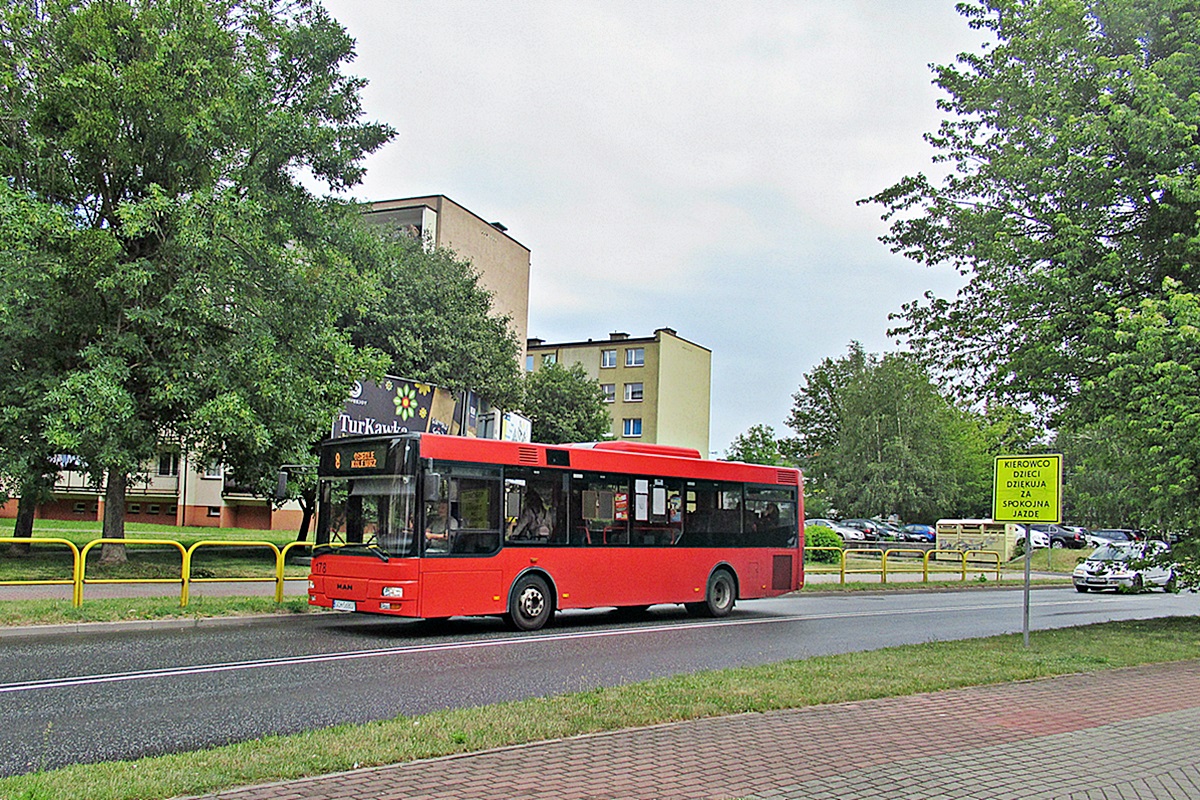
(828, 679)
(81, 531)
(854, 584)
(61, 612)
(54, 561)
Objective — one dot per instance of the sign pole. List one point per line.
(1027, 489)
(1028, 564)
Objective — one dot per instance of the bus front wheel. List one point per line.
(529, 604)
(719, 597)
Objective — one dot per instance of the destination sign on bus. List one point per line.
(353, 459)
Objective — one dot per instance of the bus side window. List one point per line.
(600, 511)
(535, 507)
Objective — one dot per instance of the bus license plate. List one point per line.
(345, 605)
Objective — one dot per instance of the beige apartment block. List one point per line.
(501, 261)
(658, 387)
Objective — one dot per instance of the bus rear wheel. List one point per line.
(718, 598)
(529, 604)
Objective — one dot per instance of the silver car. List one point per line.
(847, 534)
(1124, 565)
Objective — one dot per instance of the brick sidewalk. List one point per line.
(1130, 733)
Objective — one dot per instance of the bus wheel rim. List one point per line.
(532, 603)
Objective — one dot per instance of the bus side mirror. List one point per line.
(433, 487)
(281, 487)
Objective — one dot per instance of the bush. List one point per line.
(820, 536)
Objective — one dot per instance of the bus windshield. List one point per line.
(376, 512)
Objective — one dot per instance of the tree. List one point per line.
(876, 436)
(1071, 190)
(34, 240)
(565, 405)
(1072, 208)
(757, 445)
(203, 281)
(1151, 431)
(430, 315)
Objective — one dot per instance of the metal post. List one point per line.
(1028, 563)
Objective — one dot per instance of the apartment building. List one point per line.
(173, 490)
(659, 386)
(501, 261)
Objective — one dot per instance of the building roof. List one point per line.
(430, 202)
(615, 338)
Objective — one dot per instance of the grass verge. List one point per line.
(41, 561)
(61, 612)
(827, 679)
(930, 586)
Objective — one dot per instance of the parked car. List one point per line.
(847, 534)
(1039, 539)
(872, 530)
(1103, 536)
(1109, 567)
(1061, 536)
(918, 533)
(889, 531)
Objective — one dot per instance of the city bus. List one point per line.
(432, 526)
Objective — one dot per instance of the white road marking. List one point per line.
(529, 639)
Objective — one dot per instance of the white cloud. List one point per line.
(685, 164)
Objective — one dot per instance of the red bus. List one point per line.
(422, 525)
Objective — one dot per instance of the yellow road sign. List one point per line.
(1028, 489)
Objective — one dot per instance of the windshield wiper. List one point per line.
(378, 553)
(373, 549)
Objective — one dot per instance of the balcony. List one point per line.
(73, 482)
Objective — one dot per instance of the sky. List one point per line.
(694, 165)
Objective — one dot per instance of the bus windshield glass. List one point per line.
(376, 512)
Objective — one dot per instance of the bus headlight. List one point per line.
(311, 584)
(393, 591)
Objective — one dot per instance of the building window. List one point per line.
(529, 363)
(610, 392)
(549, 358)
(153, 509)
(633, 393)
(134, 508)
(168, 463)
(80, 508)
(214, 511)
(608, 359)
(635, 356)
(213, 471)
(633, 427)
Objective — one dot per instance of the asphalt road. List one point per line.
(122, 694)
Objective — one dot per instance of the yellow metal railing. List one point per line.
(31, 540)
(87, 548)
(889, 565)
(79, 556)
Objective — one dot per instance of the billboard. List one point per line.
(399, 405)
(396, 405)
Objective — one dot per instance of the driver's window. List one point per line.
(439, 521)
(462, 511)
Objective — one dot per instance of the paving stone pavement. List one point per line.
(1111, 735)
